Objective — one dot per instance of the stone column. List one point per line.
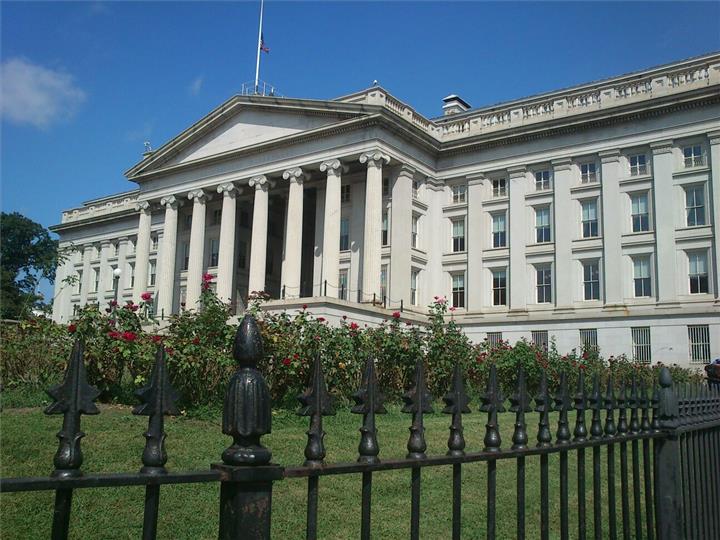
(331, 228)
(714, 210)
(105, 278)
(258, 244)
(475, 235)
(517, 273)
(197, 247)
(226, 256)
(85, 284)
(664, 223)
(400, 232)
(372, 235)
(122, 265)
(142, 249)
(290, 279)
(611, 228)
(563, 229)
(62, 291)
(166, 281)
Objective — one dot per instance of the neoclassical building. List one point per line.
(586, 216)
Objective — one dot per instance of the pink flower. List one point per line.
(286, 361)
(396, 314)
(71, 328)
(207, 277)
(354, 326)
(146, 296)
(453, 308)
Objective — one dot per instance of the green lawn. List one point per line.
(114, 443)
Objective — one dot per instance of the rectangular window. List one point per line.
(95, 280)
(386, 187)
(458, 235)
(638, 165)
(343, 285)
(344, 234)
(458, 290)
(186, 255)
(214, 251)
(542, 225)
(415, 188)
(544, 284)
(217, 216)
(414, 232)
(152, 273)
(459, 194)
(114, 281)
(588, 338)
(131, 266)
(244, 219)
(698, 273)
(542, 180)
(695, 205)
(589, 219)
(385, 226)
(78, 285)
(499, 287)
(641, 277)
(641, 344)
(699, 340)
(414, 276)
(693, 156)
(187, 220)
(588, 173)
(154, 243)
(498, 231)
(499, 187)
(591, 281)
(640, 212)
(494, 339)
(383, 280)
(345, 193)
(242, 254)
(540, 339)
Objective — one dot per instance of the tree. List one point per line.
(27, 255)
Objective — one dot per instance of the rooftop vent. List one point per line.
(454, 104)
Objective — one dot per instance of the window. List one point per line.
(269, 262)
(638, 165)
(242, 254)
(498, 231)
(641, 277)
(152, 273)
(95, 280)
(345, 193)
(588, 338)
(415, 189)
(386, 187)
(499, 187)
(499, 287)
(494, 338)
(154, 242)
(698, 272)
(183, 296)
(458, 235)
(343, 285)
(542, 180)
(414, 275)
(641, 344)
(589, 219)
(542, 224)
(186, 255)
(131, 267)
(216, 216)
(414, 232)
(383, 280)
(458, 290)
(699, 340)
(544, 284)
(114, 281)
(78, 285)
(344, 234)
(113, 249)
(693, 156)
(244, 219)
(588, 173)
(188, 222)
(640, 213)
(459, 194)
(695, 205)
(385, 240)
(214, 250)
(591, 281)
(540, 339)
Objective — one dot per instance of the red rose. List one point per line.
(196, 340)
(582, 366)
(321, 319)
(113, 303)
(113, 334)
(208, 277)
(354, 326)
(169, 350)
(129, 336)
(304, 306)
(71, 328)
(156, 339)
(286, 361)
(396, 314)
(296, 356)
(146, 296)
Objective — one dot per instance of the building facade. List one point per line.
(584, 216)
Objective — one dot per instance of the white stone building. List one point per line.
(586, 215)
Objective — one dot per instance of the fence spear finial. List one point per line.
(368, 402)
(492, 403)
(580, 432)
(72, 398)
(520, 404)
(456, 401)
(543, 405)
(610, 428)
(634, 405)
(158, 399)
(563, 404)
(596, 430)
(417, 402)
(315, 402)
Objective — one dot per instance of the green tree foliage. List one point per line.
(28, 254)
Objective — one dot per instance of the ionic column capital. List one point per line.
(143, 206)
(295, 174)
(229, 190)
(260, 183)
(199, 195)
(171, 201)
(374, 158)
(333, 166)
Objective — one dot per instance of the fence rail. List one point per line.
(668, 440)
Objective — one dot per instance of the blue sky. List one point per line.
(84, 84)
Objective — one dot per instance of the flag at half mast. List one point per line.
(263, 47)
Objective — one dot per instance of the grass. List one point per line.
(114, 443)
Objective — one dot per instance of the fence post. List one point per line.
(247, 474)
(668, 482)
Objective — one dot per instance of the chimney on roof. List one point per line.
(454, 104)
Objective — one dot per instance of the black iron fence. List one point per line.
(668, 440)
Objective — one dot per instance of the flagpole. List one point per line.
(257, 62)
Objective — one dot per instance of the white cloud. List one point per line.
(36, 95)
(196, 85)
